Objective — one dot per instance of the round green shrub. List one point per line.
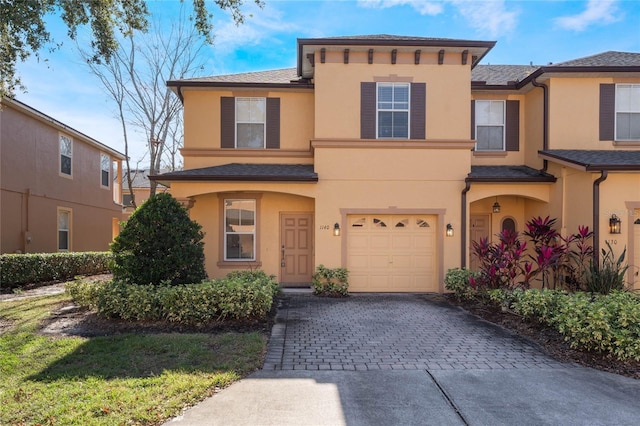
(159, 244)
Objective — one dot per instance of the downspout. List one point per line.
(463, 226)
(545, 119)
(596, 217)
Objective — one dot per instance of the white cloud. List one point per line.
(597, 12)
(259, 24)
(489, 17)
(423, 7)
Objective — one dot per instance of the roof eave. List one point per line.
(488, 179)
(225, 84)
(246, 178)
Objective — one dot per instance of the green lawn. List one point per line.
(123, 379)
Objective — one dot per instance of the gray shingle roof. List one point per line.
(245, 172)
(140, 178)
(501, 74)
(605, 59)
(595, 160)
(504, 174)
(388, 37)
(280, 76)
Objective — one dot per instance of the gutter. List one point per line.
(596, 217)
(463, 225)
(545, 119)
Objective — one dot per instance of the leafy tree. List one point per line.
(159, 243)
(23, 27)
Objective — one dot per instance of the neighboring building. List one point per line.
(386, 155)
(59, 187)
(141, 189)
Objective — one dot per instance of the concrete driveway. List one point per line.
(405, 359)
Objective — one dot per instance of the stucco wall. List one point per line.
(338, 99)
(33, 188)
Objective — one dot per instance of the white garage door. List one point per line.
(391, 253)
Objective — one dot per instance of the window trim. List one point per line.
(408, 110)
(109, 170)
(69, 230)
(616, 112)
(237, 121)
(226, 233)
(503, 125)
(60, 172)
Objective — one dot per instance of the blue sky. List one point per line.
(526, 31)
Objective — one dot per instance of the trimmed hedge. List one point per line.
(240, 295)
(18, 269)
(591, 322)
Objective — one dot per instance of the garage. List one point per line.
(392, 253)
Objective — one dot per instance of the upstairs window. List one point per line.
(250, 122)
(490, 125)
(393, 110)
(628, 112)
(66, 149)
(105, 170)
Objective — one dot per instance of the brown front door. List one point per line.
(479, 229)
(296, 249)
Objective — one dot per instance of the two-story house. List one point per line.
(140, 189)
(60, 189)
(387, 155)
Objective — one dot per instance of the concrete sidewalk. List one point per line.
(576, 396)
(410, 360)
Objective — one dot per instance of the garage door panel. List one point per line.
(358, 241)
(379, 242)
(402, 261)
(359, 262)
(402, 241)
(397, 258)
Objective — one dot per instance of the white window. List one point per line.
(66, 149)
(490, 119)
(239, 230)
(64, 230)
(393, 110)
(250, 122)
(628, 112)
(105, 170)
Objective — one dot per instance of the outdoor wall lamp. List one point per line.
(336, 229)
(449, 230)
(496, 206)
(614, 224)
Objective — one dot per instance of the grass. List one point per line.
(120, 379)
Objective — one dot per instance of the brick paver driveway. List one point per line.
(392, 332)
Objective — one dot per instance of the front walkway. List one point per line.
(392, 332)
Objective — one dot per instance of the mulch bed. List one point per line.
(549, 339)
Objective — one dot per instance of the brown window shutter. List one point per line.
(227, 122)
(607, 111)
(512, 130)
(273, 123)
(418, 110)
(367, 110)
(473, 119)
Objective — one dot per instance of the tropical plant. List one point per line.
(332, 282)
(608, 276)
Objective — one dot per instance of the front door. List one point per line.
(479, 229)
(296, 249)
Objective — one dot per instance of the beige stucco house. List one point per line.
(388, 155)
(60, 188)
